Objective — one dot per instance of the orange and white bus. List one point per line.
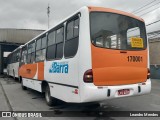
(93, 55)
(13, 61)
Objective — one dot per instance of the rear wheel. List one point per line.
(49, 99)
(23, 87)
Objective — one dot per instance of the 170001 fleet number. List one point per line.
(135, 58)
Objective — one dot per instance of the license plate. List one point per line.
(123, 92)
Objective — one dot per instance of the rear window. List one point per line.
(115, 31)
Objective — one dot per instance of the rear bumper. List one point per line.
(93, 93)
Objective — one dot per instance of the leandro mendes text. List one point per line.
(145, 114)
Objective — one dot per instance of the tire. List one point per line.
(49, 99)
(23, 87)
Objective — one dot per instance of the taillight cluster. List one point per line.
(88, 76)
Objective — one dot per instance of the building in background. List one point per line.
(154, 48)
(10, 39)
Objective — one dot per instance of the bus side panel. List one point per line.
(28, 70)
(33, 84)
(63, 85)
(32, 75)
(37, 85)
(15, 68)
(85, 54)
(40, 70)
(28, 83)
(69, 87)
(8, 69)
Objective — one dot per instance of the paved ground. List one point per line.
(13, 98)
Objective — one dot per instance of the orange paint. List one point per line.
(101, 9)
(28, 70)
(110, 67)
(40, 71)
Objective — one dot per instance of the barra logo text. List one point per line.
(59, 67)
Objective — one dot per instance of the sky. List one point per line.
(32, 14)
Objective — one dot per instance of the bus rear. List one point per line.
(119, 55)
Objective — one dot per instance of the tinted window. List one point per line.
(32, 57)
(24, 55)
(51, 38)
(71, 47)
(38, 44)
(59, 50)
(44, 41)
(51, 52)
(41, 49)
(115, 31)
(55, 46)
(29, 48)
(31, 52)
(33, 47)
(76, 27)
(38, 55)
(70, 30)
(43, 52)
(71, 43)
(59, 35)
(29, 58)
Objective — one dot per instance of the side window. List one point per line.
(17, 55)
(14, 56)
(31, 52)
(76, 28)
(59, 43)
(70, 30)
(55, 44)
(41, 48)
(24, 55)
(72, 37)
(38, 50)
(51, 47)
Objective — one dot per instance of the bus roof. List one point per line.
(102, 9)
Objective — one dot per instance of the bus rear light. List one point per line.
(88, 76)
(148, 74)
(143, 83)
